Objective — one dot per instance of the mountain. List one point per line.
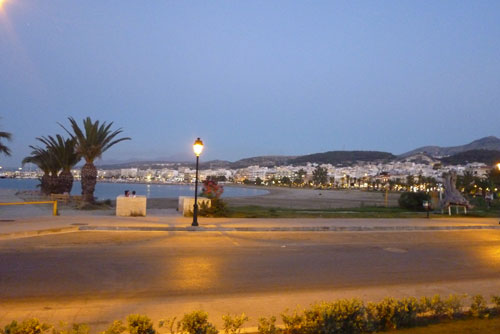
(263, 161)
(343, 157)
(486, 143)
(489, 157)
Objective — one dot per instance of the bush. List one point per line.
(197, 323)
(233, 325)
(116, 327)
(218, 208)
(78, 328)
(342, 316)
(453, 306)
(496, 300)
(478, 307)
(267, 326)
(29, 326)
(140, 324)
(413, 201)
(171, 324)
(294, 324)
(392, 314)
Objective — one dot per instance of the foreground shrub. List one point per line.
(267, 326)
(197, 323)
(140, 324)
(116, 327)
(413, 201)
(171, 324)
(478, 307)
(29, 326)
(453, 306)
(233, 325)
(342, 316)
(392, 314)
(77, 328)
(496, 300)
(294, 323)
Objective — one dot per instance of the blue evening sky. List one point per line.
(252, 77)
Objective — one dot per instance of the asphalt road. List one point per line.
(176, 264)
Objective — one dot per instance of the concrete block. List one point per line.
(130, 206)
(186, 204)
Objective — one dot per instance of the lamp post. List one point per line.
(197, 148)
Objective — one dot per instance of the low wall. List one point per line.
(130, 206)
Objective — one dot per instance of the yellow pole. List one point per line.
(54, 211)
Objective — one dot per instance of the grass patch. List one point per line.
(468, 326)
(362, 212)
(254, 211)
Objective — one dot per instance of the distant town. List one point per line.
(417, 172)
(421, 169)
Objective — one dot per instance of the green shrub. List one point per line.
(392, 314)
(140, 324)
(267, 326)
(496, 300)
(453, 305)
(413, 201)
(29, 326)
(171, 324)
(218, 208)
(342, 316)
(437, 306)
(294, 323)
(196, 322)
(116, 327)
(478, 307)
(233, 325)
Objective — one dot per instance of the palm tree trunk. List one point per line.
(65, 182)
(89, 179)
(53, 184)
(45, 184)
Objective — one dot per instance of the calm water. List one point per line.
(105, 190)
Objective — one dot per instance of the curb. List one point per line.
(286, 229)
(34, 233)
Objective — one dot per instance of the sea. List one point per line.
(108, 190)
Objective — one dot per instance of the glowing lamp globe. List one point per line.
(198, 147)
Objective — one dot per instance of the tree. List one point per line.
(4, 149)
(258, 181)
(64, 152)
(46, 162)
(92, 140)
(300, 175)
(286, 180)
(320, 175)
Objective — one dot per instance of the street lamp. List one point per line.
(498, 166)
(197, 148)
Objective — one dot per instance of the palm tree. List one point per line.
(64, 152)
(4, 149)
(46, 162)
(91, 142)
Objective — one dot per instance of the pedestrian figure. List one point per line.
(126, 193)
(133, 193)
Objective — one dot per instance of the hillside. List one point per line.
(489, 157)
(343, 157)
(486, 143)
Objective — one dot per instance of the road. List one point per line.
(139, 266)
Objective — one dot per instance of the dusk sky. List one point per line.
(251, 77)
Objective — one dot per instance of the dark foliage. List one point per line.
(413, 201)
